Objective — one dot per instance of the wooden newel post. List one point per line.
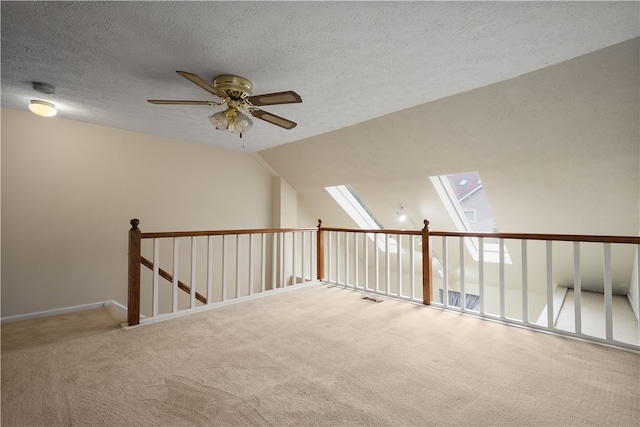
(133, 302)
(426, 265)
(320, 251)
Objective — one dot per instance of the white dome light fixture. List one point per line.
(42, 108)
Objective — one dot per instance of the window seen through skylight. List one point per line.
(468, 206)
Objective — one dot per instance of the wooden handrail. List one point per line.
(160, 235)
(374, 231)
(135, 258)
(166, 275)
(521, 236)
(534, 236)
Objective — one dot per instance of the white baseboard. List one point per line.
(65, 310)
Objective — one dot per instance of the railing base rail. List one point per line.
(189, 311)
(495, 318)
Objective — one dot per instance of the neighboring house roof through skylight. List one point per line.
(468, 206)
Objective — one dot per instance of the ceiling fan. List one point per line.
(235, 92)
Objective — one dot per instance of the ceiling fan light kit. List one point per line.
(235, 91)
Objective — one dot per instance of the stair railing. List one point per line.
(550, 282)
(516, 278)
(222, 266)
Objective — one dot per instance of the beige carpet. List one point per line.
(312, 357)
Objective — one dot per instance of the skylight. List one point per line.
(353, 206)
(468, 206)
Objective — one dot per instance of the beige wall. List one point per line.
(285, 204)
(557, 150)
(69, 190)
(562, 141)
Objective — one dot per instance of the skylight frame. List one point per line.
(456, 212)
(349, 201)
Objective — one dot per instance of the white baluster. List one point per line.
(399, 262)
(302, 255)
(346, 259)
(250, 264)
(237, 265)
(445, 268)
(193, 272)
(412, 265)
(365, 243)
(503, 309)
(224, 267)
(463, 297)
(310, 254)
(338, 257)
(263, 262)
(274, 260)
(577, 288)
(356, 263)
(550, 321)
(387, 266)
(209, 269)
(294, 279)
(638, 288)
(481, 273)
(156, 276)
(376, 263)
(329, 238)
(525, 284)
(176, 263)
(608, 291)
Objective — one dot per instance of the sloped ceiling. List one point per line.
(350, 61)
(558, 151)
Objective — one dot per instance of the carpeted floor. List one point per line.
(315, 356)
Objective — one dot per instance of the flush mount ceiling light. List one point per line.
(42, 108)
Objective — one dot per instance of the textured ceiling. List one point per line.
(350, 61)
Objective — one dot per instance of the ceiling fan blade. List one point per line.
(203, 84)
(288, 97)
(273, 119)
(172, 102)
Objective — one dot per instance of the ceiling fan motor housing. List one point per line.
(236, 87)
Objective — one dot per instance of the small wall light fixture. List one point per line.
(42, 108)
(402, 215)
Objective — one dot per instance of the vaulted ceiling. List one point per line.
(350, 61)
